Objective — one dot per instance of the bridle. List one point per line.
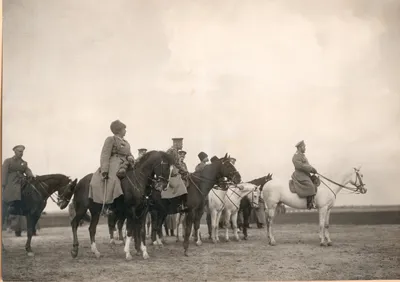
(359, 186)
(60, 198)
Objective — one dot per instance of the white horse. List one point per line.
(277, 194)
(228, 203)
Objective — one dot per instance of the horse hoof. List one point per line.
(323, 244)
(272, 243)
(74, 253)
(330, 244)
(112, 242)
(245, 238)
(31, 254)
(186, 254)
(146, 256)
(199, 243)
(128, 257)
(97, 254)
(214, 241)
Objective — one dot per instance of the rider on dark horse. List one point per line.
(177, 146)
(15, 174)
(115, 158)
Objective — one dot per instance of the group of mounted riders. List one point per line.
(115, 159)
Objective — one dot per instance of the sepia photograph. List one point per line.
(202, 140)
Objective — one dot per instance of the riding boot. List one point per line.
(310, 202)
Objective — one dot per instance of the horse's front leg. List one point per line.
(120, 225)
(322, 216)
(188, 229)
(129, 234)
(327, 236)
(198, 216)
(111, 221)
(234, 223)
(227, 223)
(31, 221)
(214, 225)
(80, 212)
(92, 230)
(155, 225)
(160, 237)
(142, 237)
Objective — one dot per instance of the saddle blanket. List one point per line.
(176, 187)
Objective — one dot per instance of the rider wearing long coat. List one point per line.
(301, 177)
(115, 157)
(15, 169)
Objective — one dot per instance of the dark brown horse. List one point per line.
(153, 167)
(200, 184)
(34, 197)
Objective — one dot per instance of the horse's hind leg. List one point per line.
(188, 228)
(197, 227)
(270, 220)
(92, 229)
(227, 224)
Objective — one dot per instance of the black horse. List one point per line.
(34, 195)
(153, 167)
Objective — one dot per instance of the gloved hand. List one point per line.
(105, 175)
(131, 159)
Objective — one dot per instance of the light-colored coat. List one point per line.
(14, 170)
(113, 156)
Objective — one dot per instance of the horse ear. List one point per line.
(75, 181)
(226, 156)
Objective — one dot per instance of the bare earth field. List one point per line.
(359, 252)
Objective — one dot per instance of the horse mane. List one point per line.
(49, 176)
(148, 154)
(259, 181)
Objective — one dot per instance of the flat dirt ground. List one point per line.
(359, 252)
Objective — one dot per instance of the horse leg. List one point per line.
(188, 229)
(156, 224)
(148, 224)
(178, 223)
(111, 220)
(92, 230)
(142, 237)
(327, 236)
(80, 212)
(217, 226)
(227, 223)
(31, 221)
(160, 237)
(209, 225)
(197, 219)
(214, 224)
(245, 223)
(129, 234)
(270, 220)
(234, 223)
(322, 216)
(120, 225)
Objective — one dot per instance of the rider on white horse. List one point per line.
(304, 184)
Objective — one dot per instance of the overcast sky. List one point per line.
(251, 78)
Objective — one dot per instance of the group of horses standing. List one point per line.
(142, 188)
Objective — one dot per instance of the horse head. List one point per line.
(59, 183)
(356, 179)
(154, 168)
(228, 170)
